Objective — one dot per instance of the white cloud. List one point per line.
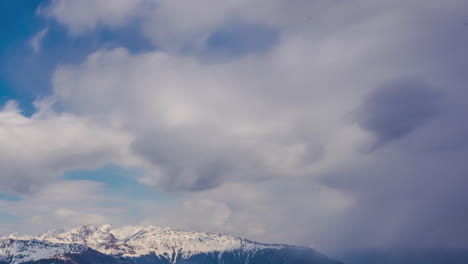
(235, 129)
(175, 24)
(84, 15)
(199, 124)
(253, 135)
(267, 141)
(36, 41)
(62, 204)
(38, 150)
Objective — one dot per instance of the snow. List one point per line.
(19, 251)
(129, 241)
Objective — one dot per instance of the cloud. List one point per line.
(240, 39)
(169, 24)
(37, 150)
(396, 109)
(62, 204)
(82, 16)
(294, 211)
(202, 129)
(269, 115)
(36, 41)
(261, 143)
(178, 26)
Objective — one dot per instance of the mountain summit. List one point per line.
(147, 245)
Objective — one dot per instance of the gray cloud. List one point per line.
(397, 109)
(406, 198)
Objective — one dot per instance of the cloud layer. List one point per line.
(37, 150)
(344, 129)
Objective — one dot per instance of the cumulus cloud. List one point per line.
(200, 129)
(82, 16)
(38, 149)
(273, 141)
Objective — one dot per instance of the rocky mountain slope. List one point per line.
(145, 245)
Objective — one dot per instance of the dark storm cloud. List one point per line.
(396, 109)
(406, 200)
(412, 193)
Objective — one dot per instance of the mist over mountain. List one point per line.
(405, 256)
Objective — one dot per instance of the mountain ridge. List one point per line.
(144, 245)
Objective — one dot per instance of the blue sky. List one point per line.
(242, 118)
(19, 22)
(118, 181)
(57, 47)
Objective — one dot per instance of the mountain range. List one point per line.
(147, 245)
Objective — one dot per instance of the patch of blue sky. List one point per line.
(17, 21)
(6, 217)
(119, 181)
(6, 93)
(9, 197)
(25, 74)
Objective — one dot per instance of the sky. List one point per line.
(325, 123)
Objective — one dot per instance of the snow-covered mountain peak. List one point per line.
(88, 235)
(151, 244)
(16, 251)
(135, 241)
